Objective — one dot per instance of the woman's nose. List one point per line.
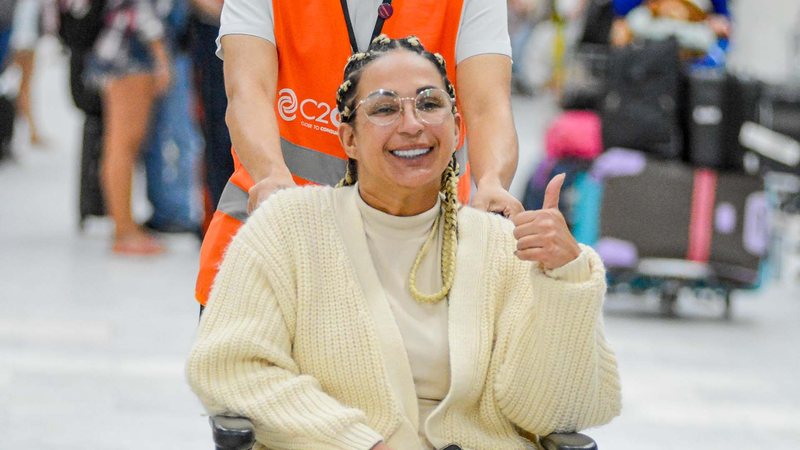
(409, 121)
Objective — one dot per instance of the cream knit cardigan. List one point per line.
(298, 336)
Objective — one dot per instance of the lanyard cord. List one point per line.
(351, 34)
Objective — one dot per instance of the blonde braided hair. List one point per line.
(345, 98)
(449, 211)
(350, 174)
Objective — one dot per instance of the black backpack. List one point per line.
(80, 22)
(642, 108)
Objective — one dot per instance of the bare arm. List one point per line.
(251, 76)
(484, 90)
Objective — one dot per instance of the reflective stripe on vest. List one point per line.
(311, 165)
(314, 166)
(233, 202)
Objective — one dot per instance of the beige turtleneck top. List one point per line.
(393, 244)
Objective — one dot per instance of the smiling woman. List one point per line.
(381, 314)
(409, 127)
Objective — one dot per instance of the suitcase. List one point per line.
(588, 196)
(91, 194)
(718, 104)
(545, 171)
(775, 137)
(667, 209)
(743, 105)
(643, 105)
(705, 127)
(779, 110)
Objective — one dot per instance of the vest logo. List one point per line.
(319, 116)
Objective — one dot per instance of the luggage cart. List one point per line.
(670, 278)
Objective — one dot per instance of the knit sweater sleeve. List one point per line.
(554, 369)
(241, 362)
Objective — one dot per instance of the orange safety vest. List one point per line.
(312, 42)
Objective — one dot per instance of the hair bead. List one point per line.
(413, 40)
(381, 39)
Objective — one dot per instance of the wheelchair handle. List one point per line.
(568, 441)
(232, 433)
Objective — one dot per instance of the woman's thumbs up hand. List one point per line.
(543, 235)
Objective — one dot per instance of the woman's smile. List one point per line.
(411, 153)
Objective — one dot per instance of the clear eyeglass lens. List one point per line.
(431, 106)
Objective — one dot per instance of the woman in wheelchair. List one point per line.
(381, 314)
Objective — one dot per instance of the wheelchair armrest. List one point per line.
(232, 433)
(568, 441)
(236, 433)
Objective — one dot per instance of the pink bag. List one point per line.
(574, 134)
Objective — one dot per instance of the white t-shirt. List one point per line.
(483, 28)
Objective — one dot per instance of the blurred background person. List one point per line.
(79, 23)
(130, 64)
(25, 35)
(217, 161)
(541, 31)
(522, 15)
(173, 145)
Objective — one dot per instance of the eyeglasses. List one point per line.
(384, 107)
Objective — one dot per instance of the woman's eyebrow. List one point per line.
(425, 88)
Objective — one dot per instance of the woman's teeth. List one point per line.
(412, 153)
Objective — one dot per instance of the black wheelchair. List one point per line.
(236, 433)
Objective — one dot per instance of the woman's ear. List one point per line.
(347, 136)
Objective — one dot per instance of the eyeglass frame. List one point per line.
(402, 107)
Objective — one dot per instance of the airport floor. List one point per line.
(92, 345)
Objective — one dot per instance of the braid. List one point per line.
(350, 174)
(449, 239)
